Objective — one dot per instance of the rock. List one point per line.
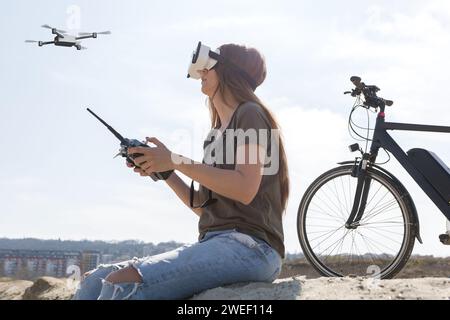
(47, 288)
(287, 289)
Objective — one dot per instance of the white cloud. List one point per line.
(227, 22)
(315, 141)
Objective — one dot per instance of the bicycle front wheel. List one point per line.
(381, 244)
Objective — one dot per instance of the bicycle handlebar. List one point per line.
(370, 94)
(357, 82)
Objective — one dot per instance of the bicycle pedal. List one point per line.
(444, 238)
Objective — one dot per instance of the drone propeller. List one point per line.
(51, 28)
(31, 41)
(89, 33)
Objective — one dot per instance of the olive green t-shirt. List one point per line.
(261, 218)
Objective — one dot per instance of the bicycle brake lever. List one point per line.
(389, 103)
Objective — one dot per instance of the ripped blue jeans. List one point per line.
(220, 258)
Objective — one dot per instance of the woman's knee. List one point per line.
(125, 275)
(100, 272)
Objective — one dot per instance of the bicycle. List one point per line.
(358, 218)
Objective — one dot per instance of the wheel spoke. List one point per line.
(381, 229)
(332, 232)
(334, 204)
(379, 188)
(373, 230)
(341, 206)
(382, 209)
(379, 243)
(326, 204)
(325, 213)
(369, 249)
(383, 221)
(345, 196)
(387, 192)
(337, 241)
(327, 219)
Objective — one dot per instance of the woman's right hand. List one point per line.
(137, 170)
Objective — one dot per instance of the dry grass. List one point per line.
(417, 267)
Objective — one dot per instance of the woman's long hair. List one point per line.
(232, 81)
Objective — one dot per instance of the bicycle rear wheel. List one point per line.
(380, 246)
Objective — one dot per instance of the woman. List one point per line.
(239, 203)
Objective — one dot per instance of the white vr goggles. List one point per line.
(204, 58)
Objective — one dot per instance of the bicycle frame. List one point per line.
(381, 139)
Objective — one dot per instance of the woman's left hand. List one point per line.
(154, 159)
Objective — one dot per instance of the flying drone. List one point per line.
(62, 39)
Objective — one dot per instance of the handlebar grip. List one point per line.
(389, 102)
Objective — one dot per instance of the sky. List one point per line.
(58, 178)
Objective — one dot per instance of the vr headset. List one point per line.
(204, 58)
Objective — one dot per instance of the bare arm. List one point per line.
(240, 184)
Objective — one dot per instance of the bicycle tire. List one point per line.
(400, 195)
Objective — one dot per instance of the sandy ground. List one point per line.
(294, 288)
(13, 290)
(45, 288)
(299, 288)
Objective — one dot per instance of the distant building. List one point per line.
(89, 260)
(107, 258)
(27, 264)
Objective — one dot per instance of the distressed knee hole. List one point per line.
(125, 275)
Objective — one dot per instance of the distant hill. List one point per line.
(130, 248)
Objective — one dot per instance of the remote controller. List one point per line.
(131, 143)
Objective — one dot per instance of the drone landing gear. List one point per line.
(41, 43)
